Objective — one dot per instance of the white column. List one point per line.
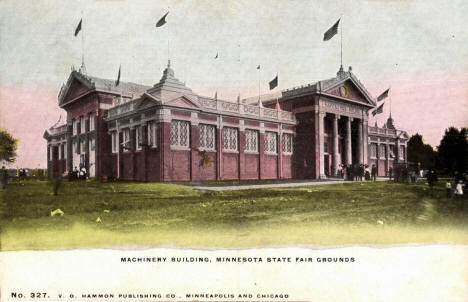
(321, 129)
(336, 157)
(365, 141)
(349, 152)
(360, 143)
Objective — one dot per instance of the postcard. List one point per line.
(239, 151)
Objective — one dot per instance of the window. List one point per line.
(75, 127)
(92, 144)
(392, 151)
(287, 143)
(64, 150)
(325, 146)
(230, 139)
(51, 153)
(83, 125)
(126, 139)
(373, 150)
(75, 148)
(402, 152)
(115, 142)
(271, 144)
(180, 134)
(83, 146)
(382, 151)
(91, 122)
(78, 126)
(138, 137)
(152, 134)
(251, 140)
(207, 137)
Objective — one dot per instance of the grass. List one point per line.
(148, 214)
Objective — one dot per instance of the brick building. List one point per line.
(167, 132)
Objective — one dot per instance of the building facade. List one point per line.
(169, 133)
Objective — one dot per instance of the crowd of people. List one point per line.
(78, 173)
(456, 186)
(357, 172)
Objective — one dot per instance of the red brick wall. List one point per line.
(153, 165)
(287, 168)
(126, 165)
(230, 166)
(270, 167)
(250, 166)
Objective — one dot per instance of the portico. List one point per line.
(341, 142)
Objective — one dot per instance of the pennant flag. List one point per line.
(258, 67)
(273, 83)
(216, 56)
(78, 28)
(378, 110)
(331, 32)
(383, 95)
(118, 78)
(162, 21)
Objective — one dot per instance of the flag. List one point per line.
(162, 21)
(216, 95)
(378, 110)
(258, 67)
(331, 32)
(273, 83)
(78, 28)
(216, 56)
(383, 95)
(118, 78)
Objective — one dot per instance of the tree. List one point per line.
(453, 151)
(8, 146)
(420, 153)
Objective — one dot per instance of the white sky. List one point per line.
(418, 48)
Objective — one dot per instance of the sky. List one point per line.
(418, 49)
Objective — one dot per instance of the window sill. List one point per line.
(230, 151)
(287, 153)
(251, 152)
(271, 153)
(207, 150)
(178, 148)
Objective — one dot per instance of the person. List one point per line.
(83, 174)
(340, 170)
(374, 172)
(459, 188)
(431, 178)
(361, 172)
(367, 175)
(4, 176)
(349, 171)
(76, 173)
(448, 189)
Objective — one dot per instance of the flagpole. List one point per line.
(341, 34)
(82, 42)
(258, 74)
(168, 54)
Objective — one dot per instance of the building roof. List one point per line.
(324, 85)
(100, 84)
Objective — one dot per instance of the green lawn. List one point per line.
(149, 214)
